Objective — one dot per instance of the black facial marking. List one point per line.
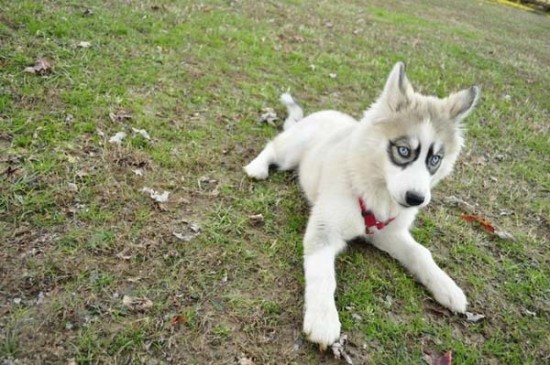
(400, 152)
(433, 160)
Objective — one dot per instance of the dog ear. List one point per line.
(461, 104)
(398, 90)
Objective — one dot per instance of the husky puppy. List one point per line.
(369, 179)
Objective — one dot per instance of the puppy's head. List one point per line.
(409, 141)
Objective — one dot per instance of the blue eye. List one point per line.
(435, 160)
(404, 151)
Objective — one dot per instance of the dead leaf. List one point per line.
(156, 196)
(137, 304)
(117, 138)
(195, 227)
(72, 187)
(485, 224)
(473, 317)
(268, 116)
(504, 235)
(83, 44)
(435, 359)
(178, 320)
(455, 201)
(339, 351)
(123, 256)
(256, 218)
(184, 236)
(119, 116)
(245, 360)
(41, 67)
(143, 133)
(293, 38)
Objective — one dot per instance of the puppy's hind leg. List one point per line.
(286, 149)
(295, 112)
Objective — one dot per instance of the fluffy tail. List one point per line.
(295, 112)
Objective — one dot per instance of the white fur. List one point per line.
(340, 160)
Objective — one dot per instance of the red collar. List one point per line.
(370, 218)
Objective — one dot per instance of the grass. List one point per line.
(77, 234)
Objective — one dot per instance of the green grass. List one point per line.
(196, 77)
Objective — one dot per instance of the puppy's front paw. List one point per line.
(257, 170)
(449, 294)
(322, 325)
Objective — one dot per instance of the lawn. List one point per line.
(94, 270)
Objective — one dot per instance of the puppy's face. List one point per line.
(414, 140)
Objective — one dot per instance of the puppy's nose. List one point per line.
(413, 199)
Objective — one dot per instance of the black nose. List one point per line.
(413, 199)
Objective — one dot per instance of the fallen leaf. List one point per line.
(137, 304)
(143, 133)
(178, 320)
(453, 200)
(195, 227)
(256, 218)
(504, 235)
(473, 317)
(245, 360)
(268, 116)
(339, 351)
(123, 256)
(83, 44)
(156, 196)
(184, 236)
(40, 298)
(485, 224)
(435, 359)
(41, 67)
(117, 138)
(72, 187)
(119, 116)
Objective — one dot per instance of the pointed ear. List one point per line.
(461, 104)
(398, 90)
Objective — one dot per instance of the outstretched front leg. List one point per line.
(418, 260)
(321, 245)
